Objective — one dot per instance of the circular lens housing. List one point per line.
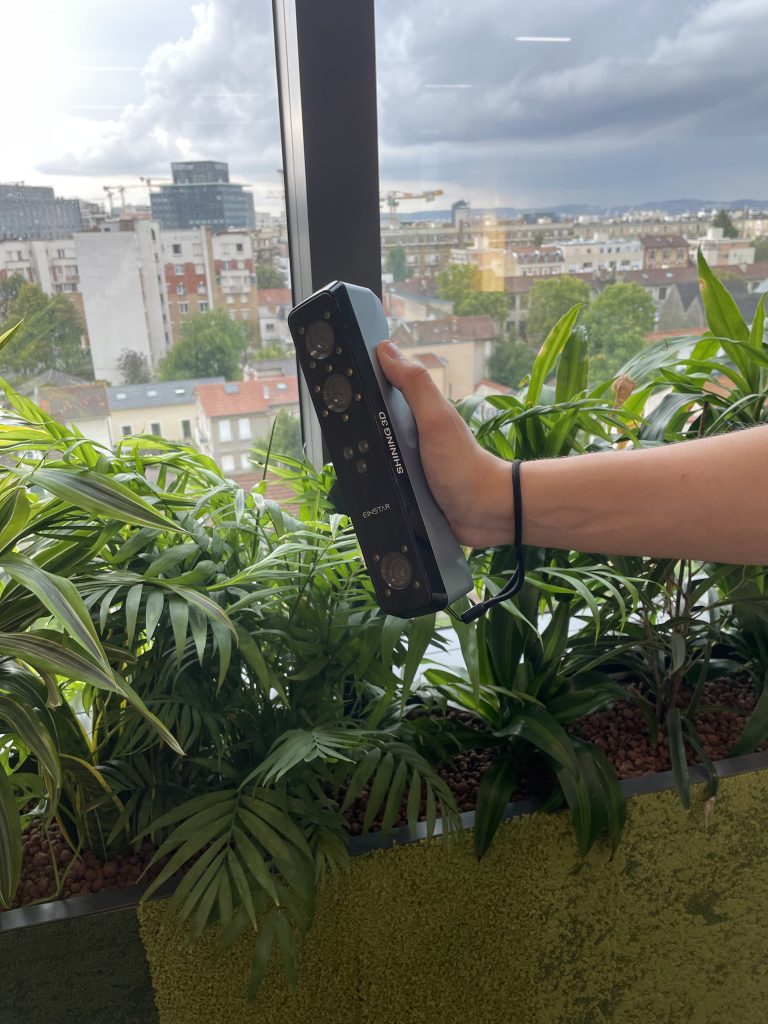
(337, 393)
(320, 339)
(396, 570)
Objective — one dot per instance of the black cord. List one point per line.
(517, 579)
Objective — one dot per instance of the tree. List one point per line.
(723, 220)
(211, 345)
(272, 349)
(460, 284)
(50, 337)
(285, 437)
(550, 299)
(510, 361)
(134, 367)
(617, 322)
(9, 289)
(761, 248)
(268, 276)
(396, 263)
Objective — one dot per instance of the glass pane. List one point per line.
(142, 224)
(537, 155)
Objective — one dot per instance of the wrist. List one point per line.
(494, 503)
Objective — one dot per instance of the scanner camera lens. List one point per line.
(396, 570)
(320, 339)
(337, 393)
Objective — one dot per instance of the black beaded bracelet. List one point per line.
(517, 579)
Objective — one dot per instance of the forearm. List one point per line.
(705, 499)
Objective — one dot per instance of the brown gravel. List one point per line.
(49, 869)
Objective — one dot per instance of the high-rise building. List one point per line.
(33, 211)
(202, 196)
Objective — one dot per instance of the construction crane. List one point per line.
(121, 190)
(148, 181)
(394, 198)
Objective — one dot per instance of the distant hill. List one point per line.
(674, 207)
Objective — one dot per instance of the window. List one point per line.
(227, 463)
(154, 428)
(181, 289)
(225, 430)
(203, 307)
(239, 247)
(225, 265)
(199, 268)
(126, 430)
(178, 269)
(230, 299)
(665, 254)
(244, 428)
(176, 249)
(245, 460)
(183, 308)
(662, 293)
(186, 430)
(59, 254)
(201, 289)
(197, 249)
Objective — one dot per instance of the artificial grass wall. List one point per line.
(672, 929)
(87, 970)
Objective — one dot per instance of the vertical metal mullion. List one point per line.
(326, 72)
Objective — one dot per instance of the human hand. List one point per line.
(471, 486)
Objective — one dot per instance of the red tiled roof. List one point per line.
(663, 241)
(247, 396)
(492, 385)
(657, 275)
(74, 402)
(274, 297)
(681, 332)
(430, 360)
(451, 328)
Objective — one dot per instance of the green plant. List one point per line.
(518, 678)
(188, 662)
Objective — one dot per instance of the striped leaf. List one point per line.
(99, 494)
(10, 842)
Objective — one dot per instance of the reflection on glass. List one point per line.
(142, 225)
(580, 154)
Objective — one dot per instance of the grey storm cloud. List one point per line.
(641, 86)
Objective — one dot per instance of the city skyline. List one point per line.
(659, 103)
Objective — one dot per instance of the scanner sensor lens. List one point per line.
(320, 339)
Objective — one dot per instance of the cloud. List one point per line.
(209, 95)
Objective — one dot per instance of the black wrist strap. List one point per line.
(517, 579)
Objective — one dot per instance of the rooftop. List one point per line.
(448, 329)
(244, 397)
(146, 396)
(74, 402)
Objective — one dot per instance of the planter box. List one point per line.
(671, 929)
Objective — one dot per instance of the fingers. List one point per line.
(420, 391)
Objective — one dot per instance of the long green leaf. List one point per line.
(493, 795)
(542, 730)
(61, 598)
(551, 348)
(723, 317)
(10, 842)
(756, 729)
(678, 757)
(99, 494)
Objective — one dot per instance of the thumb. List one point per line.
(420, 391)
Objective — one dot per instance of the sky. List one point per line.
(643, 100)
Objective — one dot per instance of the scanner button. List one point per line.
(361, 466)
(348, 453)
(363, 446)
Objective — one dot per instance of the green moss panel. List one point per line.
(88, 970)
(673, 928)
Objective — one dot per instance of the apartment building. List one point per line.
(454, 350)
(232, 415)
(274, 305)
(427, 245)
(664, 252)
(123, 294)
(167, 409)
(720, 251)
(84, 406)
(51, 264)
(601, 256)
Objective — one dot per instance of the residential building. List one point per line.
(455, 350)
(33, 211)
(606, 256)
(664, 251)
(233, 415)
(123, 295)
(51, 264)
(167, 409)
(427, 245)
(719, 251)
(274, 305)
(202, 196)
(84, 406)
(416, 299)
